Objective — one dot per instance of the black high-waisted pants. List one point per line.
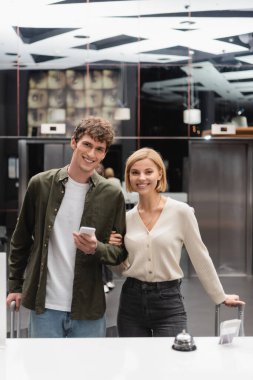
(151, 309)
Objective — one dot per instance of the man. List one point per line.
(54, 270)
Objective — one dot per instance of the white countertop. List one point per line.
(127, 358)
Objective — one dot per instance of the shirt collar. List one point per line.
(63, 176)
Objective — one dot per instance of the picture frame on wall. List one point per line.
(67, 96)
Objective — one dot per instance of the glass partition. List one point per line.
(139, 64)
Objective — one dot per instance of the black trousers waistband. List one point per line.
(138, 284)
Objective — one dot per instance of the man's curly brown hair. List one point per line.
(97, 128)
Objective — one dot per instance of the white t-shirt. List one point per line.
(62, 250)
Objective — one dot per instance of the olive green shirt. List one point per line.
(104, 209)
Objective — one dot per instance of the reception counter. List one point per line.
(121, 359)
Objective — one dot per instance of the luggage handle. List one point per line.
(241, 309)
(15, 315)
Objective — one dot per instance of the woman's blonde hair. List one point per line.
(141, 154)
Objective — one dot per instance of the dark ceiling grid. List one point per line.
(227, 62)
(109, 42)
(31, 35)
(38, 58)
(213, 14)
(182, 51)
(231, 62)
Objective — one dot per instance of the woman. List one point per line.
(157, 227)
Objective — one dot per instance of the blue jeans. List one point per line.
(58, 324)
(151, 309)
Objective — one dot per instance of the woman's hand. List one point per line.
(233, 300)
(115, 239)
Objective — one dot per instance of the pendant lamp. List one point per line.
(122, 112)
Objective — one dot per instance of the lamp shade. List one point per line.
(122, 113)
(192, 116)
(239, 121)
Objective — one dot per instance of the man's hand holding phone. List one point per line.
(87, 230)
(86, 240)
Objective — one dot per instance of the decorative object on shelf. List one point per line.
(239, 121)
(223, 129)
(53, 129)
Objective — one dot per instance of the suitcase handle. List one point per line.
(241, 309)
(15, 315)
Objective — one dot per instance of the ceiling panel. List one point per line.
(217, 37)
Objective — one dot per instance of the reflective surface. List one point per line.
(132, 358)
(220, 179)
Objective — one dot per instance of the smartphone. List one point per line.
(87, 230)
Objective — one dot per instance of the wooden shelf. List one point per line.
(240, 132)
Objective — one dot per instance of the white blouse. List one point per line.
(154, 255)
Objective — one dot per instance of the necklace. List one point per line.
(153, 217)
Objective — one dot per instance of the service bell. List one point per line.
(184, 342)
